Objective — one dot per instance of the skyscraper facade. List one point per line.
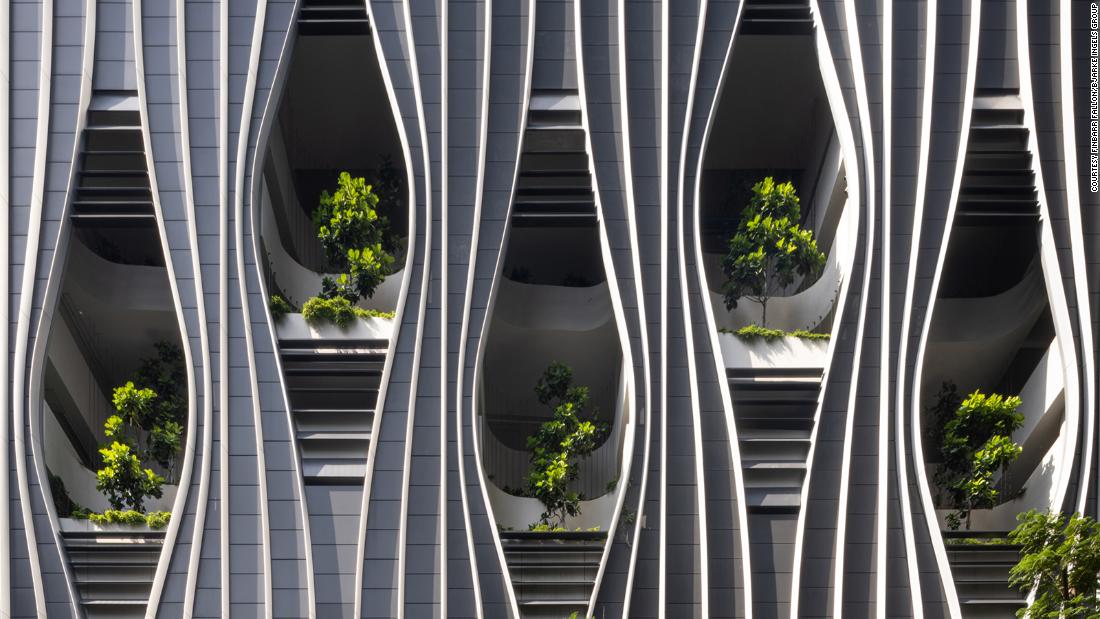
(642, 308)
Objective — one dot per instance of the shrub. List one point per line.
(977, 442)
(123, 480)
(751, 333)
(279, 307)
(352, 233)
(769, 247)
(338, 311)
(1059, 562)
(559, 445)
(62, 502)
(154, 520)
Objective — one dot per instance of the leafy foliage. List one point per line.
(166, 375)
(352, 233)
(559, 444)
(123, 479)
(939, 414)
(153, 415)
(1060, 561)
(752, 333)
(279, 307)
(977, 443)
(154, 520)
(769, 247)
(338, 311)
(62, 502)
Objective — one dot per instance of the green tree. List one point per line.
(166, 375)
(1059, 562)
(769, 248)
(559, 445)
(352, 233)
(977, 443)
(123, 480)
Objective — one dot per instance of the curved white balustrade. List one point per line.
(564, 308)
(105, 283)
(787, 352)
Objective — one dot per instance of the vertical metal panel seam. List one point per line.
(223, 304)
(399, 315)
(189, 451)
(617, 310)
(30, 261)
(712, 328)
(240, 164)
(901, 403)
(5, 302)
(497, 274)
(628, 174)
(475, 233)
(863, 109)
(425, 289)
(198, 528)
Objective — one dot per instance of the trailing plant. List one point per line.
(803, 334)
(977, 443)
(352, 233)
(338, 311)
(279, 307)
(769, 247)
(559, 444)
(1059, 563)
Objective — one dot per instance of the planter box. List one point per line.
(75, 525)
(786, 352)
(294, 327)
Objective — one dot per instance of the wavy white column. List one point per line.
(475, 234)
(199, 526)
(26, 297)
(479, 356)
(399, 316)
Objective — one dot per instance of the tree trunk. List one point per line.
(764, 313)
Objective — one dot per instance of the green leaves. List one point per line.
(1060, 562)
(352, 233)
(976, 444)
(559, 444)
(123, 479)
(769, 248)
(153, 415)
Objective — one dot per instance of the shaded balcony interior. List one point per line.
(553, 302)
(333, 116)
(785, 131)
(113, 306)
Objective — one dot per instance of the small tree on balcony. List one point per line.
(977, 444)
(560, 444)
(1060, 563)
(352, 233)
(769, 248)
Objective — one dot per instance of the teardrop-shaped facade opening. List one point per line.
(334, 227)
(774, 156)
(993, 417)
(553, 399)
(114, 410)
